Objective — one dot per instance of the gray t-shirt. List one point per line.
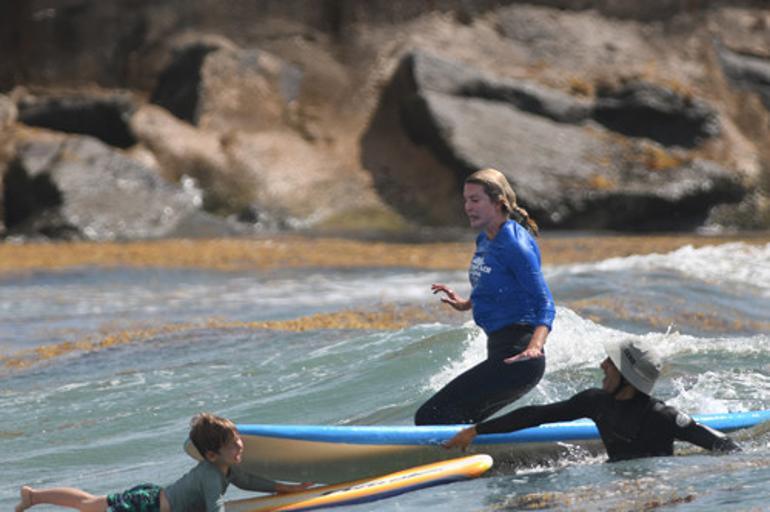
(202, 489)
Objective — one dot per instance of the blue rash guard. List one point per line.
(510, 299)
(508, 284)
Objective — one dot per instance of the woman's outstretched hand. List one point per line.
(534, 348)
(462, 439)
(451, 297)
(529, 353)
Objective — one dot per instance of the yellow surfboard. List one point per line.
(369, 489)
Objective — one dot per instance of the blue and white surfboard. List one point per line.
(332, 454)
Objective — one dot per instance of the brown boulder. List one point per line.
(212, 83)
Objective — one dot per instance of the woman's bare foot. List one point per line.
(26, 499)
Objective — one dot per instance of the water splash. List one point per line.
(736, 263)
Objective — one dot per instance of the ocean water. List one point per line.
(127, 356)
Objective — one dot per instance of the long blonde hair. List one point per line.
(498, 189)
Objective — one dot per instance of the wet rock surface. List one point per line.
(567, 171)
(77, 187)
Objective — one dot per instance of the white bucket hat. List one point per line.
(637, 362)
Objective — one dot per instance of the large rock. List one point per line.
(414, 179)
(272, 178)
(182, 150)
(566, 174)
(640, 199)
(296, 184)
(347, 51)
(212, 83)
(545, 161)
(77, 187)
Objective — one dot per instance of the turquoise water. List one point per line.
(109, 418)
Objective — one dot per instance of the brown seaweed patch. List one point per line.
(233, 254)
(659, 315)
(388, 317)
(635, 495)
(297, 252)
(639, 494)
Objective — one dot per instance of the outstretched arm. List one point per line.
(703, 436)
(533, 415)
(579, 406)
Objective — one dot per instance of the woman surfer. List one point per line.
(510, 300)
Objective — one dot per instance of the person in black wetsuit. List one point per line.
(631, 423)
(510, 301)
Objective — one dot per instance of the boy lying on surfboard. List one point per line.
(631, 423)
(201, 489)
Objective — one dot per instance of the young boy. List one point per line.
(201, 489)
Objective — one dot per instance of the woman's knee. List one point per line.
(428, 414)
(421, 417)
(434, 414)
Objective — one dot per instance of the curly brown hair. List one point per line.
(209, 433)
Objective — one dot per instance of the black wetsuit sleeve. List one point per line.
(687, 429)
(579, 406)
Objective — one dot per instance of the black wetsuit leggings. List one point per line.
(489, 386)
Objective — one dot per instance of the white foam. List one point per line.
(737, 263)
(343, 288)
(721, 391)
(578, 343)
(575, 342)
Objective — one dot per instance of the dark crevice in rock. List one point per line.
(533, 99)
(103, 118)
(644, 213)
(26, 197)
(640, 109)
(178, 84)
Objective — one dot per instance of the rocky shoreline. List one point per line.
(209, 119)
